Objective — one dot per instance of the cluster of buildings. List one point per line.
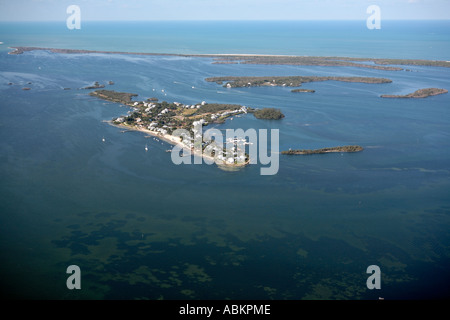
(187, 106)
(155, 117)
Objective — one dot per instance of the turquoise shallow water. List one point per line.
(395, 39)
(141, 227)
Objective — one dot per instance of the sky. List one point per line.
(120, 10)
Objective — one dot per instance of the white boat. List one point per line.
(103, 139)
(146, 148)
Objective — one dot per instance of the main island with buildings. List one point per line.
(162, 119)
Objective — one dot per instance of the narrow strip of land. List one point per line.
(380, 64)
(371, 63)
(290, 81)
(323, 150)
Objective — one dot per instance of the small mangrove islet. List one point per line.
(268, 114)
(352, 148)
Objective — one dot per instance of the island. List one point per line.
(161, 119)
(268, 114)
(289, 81)
(352, 148)
(303, 90)
(418, 94)
(370, 63)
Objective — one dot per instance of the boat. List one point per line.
(146, 148)
(103, 139)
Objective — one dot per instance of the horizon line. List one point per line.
(234, 20)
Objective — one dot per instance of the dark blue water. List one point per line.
(141, 227)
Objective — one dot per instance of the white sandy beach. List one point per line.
(176, 141)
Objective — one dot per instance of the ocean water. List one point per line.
(395, 39)
(140, 227)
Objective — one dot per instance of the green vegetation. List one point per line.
(215, 107)
(268, 113)
(324, 150)
(165, 117)
(421, 93)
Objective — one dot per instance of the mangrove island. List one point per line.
(290, 81)
(421, 93)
